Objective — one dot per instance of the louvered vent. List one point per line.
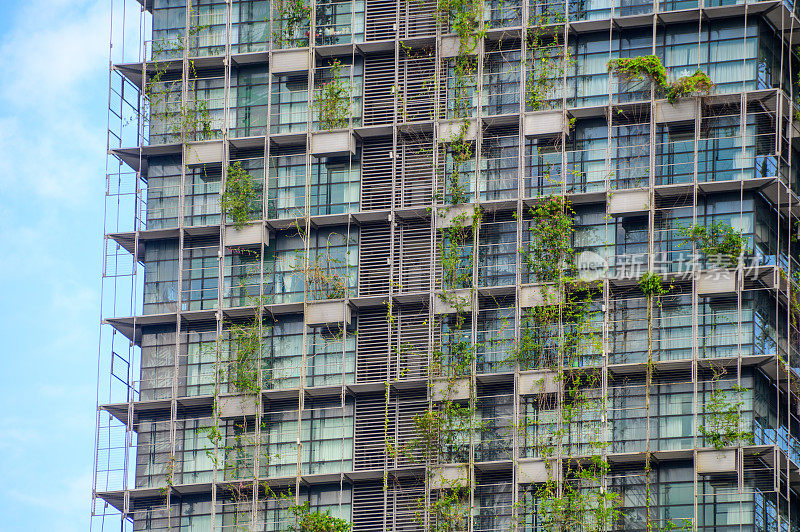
(412, 267)
(417, 18)
(378, 96)
(410, 343)
(368, 508)
(403, 430)
(403, 503)
(372, 345)
(381, 19)
(376, 174)
(370, 447)
(416, 96)
(373, 276)
(415, 188)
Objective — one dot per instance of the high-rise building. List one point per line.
(474, 265)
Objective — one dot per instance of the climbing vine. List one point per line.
(240, 197)
(332, 99)
(722, 415)
(549, 251)
(293, 18)
(547, 63)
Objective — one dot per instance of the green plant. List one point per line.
(651, 285)
(697, 83)
(245, 355)
(307, 521)
(455, 254)
(650, 67)
(332, 100)
(639, 68)
(293, 16)
(547, 63)
(324, 270)
(239, 198)
(550, 249)
(463, 17)
(723, 424)
(719, 242)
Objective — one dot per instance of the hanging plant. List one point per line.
(650, 67)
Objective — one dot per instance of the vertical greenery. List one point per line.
(293, 15)
(332, 99)
(722, 415)
(239, 199)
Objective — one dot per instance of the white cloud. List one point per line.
(54, 62)
(54, 46)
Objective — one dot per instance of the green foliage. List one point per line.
(650, 67)
(651, 286)
(723, 418)
(324, 273)
(639, 68)
(294, 15)
(455, 255)
(463, 17)
(448, 511)
(307, 521)
(550, 248)
(332, 100)
(443, 433)
(245, 355)
(697, 83)
(719, 242)
(240, 196)
(461, 153)
(547, 64)
(580, 503)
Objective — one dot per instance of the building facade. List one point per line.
(474, 265)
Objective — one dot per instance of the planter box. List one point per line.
(450, 389)
(450, 130)
(248, 235)
(446, 216)
(716, 282)
(722, 461)
(328, 143)
(634, 202)
(544, 123)
(538, 381)
(328, 313)
(235, 406)
(539, 295)
(684, 110)
(450, 46)
(448, 476)
(537, 471)
(195, 153)
(462, 296)
(287, 61)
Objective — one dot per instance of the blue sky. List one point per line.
(53, 94)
